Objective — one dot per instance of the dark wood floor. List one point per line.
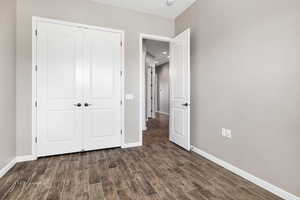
(158, 170)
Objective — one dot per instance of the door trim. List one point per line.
(142, 80)
(35, 20)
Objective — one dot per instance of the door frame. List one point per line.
(34, 100)
(142, 80)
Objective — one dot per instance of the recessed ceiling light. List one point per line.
(165, 53)
(168, 56)
(170, 2)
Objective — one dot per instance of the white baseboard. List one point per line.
(164, 113)
(131, 145)
(7, 167)
(144, 128)
(268, 186)
(25, 158)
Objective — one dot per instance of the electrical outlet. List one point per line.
(228, 133)
(223, 133)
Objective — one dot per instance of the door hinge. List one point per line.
(36, 32)
(36, 67)
(121, 102)
(35, 104)
(121, 132)
(35, 139)
(121, 43)
(121, 73)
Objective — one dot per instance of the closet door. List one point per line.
(59, 89)
(102, 89)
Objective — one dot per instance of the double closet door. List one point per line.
(78, 89)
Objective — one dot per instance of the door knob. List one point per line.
(185, 104)
(87, 104)
(78, 104)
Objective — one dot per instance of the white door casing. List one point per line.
(149, 92)
(180, 90)
(153, 91)
(77, 65)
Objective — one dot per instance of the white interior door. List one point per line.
(180, 90)
(102, 90)
(59, 60)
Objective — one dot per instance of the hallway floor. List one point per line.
(159, 170)
(157, 130)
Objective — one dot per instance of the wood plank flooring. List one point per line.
(158, 171)
(157, 130)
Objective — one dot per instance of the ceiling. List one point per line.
(156, 50)
(155, 7)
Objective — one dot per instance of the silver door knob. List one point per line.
(186, 104)
(87, 104)
(77, 105)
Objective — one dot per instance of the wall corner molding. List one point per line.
(260, 182)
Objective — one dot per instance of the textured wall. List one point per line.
(245, 71)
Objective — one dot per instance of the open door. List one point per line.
(180, 90)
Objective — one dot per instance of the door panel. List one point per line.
(102, 118)
(105, 128)
(58, 119)
(59, 62)
(180, 90)
(179, 121)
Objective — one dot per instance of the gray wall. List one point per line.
(86, 12)
(7, 81)
(245, 75)
(162, 72)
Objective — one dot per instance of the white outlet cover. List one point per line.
(228, 133)
(223, 132)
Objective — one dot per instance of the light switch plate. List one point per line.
(129, 96)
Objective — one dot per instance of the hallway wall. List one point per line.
(163, 88)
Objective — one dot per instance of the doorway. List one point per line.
(78, 87)
(157, 103)
(177, 114)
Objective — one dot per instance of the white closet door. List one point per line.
(102, 89)
(59, 60)
(180, 90)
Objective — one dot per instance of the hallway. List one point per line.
(157, 130)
